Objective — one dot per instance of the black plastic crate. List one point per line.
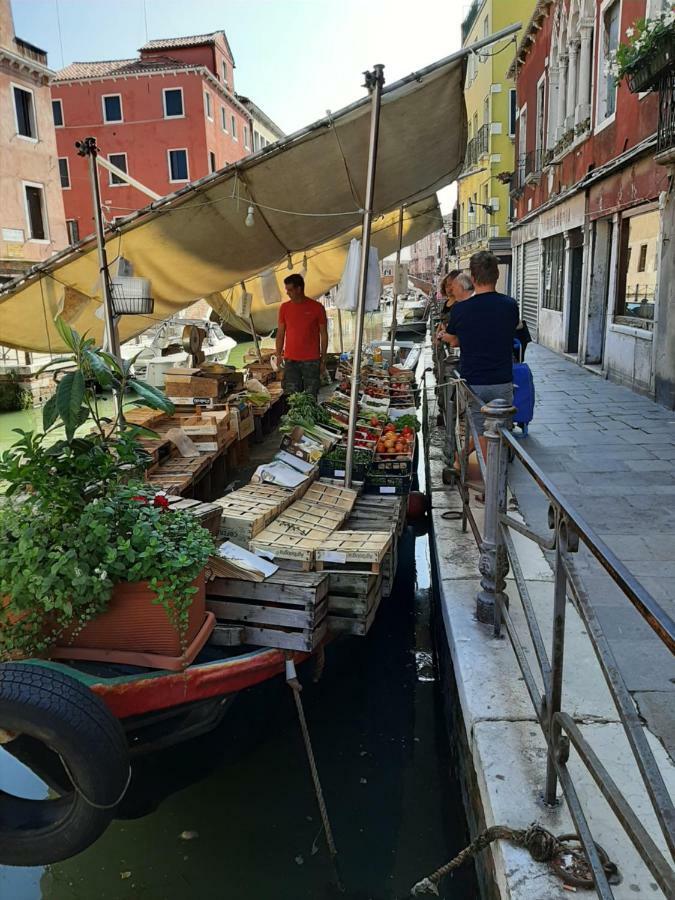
(387, 484)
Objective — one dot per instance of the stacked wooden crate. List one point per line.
(288, 610)
(248, 510)
(208, 514)
(375, 513)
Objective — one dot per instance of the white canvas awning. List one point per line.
(307, 193)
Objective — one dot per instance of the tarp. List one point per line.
(307, 189)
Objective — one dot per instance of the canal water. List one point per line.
(233, 814)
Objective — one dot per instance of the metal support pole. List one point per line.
(395, 298)
(374, 83)
(339, 318)
(493, 564)
(554, 693)
(88, 148)
(256, 340)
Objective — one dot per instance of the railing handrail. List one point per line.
(497, 552)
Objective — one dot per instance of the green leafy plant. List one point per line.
(646, 37)
(72, 470)
(76, 520)
(55, 576)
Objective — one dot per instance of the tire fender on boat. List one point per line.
(64, 733)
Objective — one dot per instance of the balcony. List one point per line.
(477, 147)
(528, 169)
(665, 136)
(30, 51)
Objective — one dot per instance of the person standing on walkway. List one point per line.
(302, 339)
(462, 289)
(484, 327)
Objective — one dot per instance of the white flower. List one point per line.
(630, 32)
(78, 571)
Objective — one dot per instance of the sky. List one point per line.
(294, 58)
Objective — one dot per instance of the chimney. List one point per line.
(6, 25)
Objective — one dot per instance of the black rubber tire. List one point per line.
(48, 708)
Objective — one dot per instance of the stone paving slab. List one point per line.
(613, 458)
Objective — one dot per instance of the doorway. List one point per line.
(576, 266)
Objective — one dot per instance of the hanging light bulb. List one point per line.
(304, 262)
(249, 221)
(290, 261)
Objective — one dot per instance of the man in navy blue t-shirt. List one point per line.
(484, 327)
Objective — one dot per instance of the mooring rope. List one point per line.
(542, 845)
(296, 687)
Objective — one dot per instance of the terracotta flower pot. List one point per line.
(134, 622)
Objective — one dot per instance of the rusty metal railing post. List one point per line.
(493, 564)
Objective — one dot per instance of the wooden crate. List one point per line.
(287, 610)
(332, 495)
(359, 550)
(244, 518)
(353, 601)
(308, 514)
(365, 520)
(298, 544)
(384, 509)
(209, 514)
(283, 497)
(176, 474)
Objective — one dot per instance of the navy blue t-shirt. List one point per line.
(485, 325)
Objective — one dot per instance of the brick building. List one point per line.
(32, 221)
(588, 239)
(167, 117)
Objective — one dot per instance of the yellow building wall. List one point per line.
(488, 102)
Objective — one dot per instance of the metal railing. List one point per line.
(665, 136)
(497, 555)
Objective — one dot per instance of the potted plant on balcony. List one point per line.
(92, 562)
(647, 54)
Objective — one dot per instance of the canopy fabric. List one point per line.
(306, 191)
(325, 264)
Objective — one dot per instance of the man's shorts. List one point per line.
(488, 392)
(302, 375)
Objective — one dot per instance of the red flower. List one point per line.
(140, 498)
(161, 500)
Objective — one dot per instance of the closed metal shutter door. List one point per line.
(529, 302)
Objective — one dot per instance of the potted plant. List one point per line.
(91, 559)
(648, 52)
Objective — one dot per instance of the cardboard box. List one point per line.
(244, 419)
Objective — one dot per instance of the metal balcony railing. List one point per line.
(498, 553)
(665, 136)
(482, 140)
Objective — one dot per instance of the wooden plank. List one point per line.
(293, 640)
(296, 588)
(351, 584)
(249, 613)
(227, 636)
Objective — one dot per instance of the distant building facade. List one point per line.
(167, 117)
(594, 224)
(32, 220)
(483, 208)
(265, 131)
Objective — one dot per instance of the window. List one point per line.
(541, 93)
(486, 111)
(513, 108)
(247, 140)
(35, 212)
(636, 282)
(224, 70)
(64, 172)
(57, 113)
(73, 230)
(173, 103)
(178, 165)
(606, 99)
(554, 269)
(233, 123)
(207, 105)
(24, 110)
(212, 161)
(119, 160)
(112, 107)
(223, 119)
(256, 140)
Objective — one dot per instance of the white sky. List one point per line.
(294, 58)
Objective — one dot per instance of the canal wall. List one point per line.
(497, 736)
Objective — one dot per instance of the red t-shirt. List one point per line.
(302, 321)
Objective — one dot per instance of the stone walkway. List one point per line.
(612, 453)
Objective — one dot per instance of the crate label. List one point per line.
(387, 490)
(266, 554)
(339, 473)
(334, 556)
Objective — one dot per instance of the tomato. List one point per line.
(390, 427)
(374, 422)
(407, 430)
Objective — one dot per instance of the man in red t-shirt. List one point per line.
(302, 339)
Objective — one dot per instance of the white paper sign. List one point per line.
(335, 556)
(387, 490)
